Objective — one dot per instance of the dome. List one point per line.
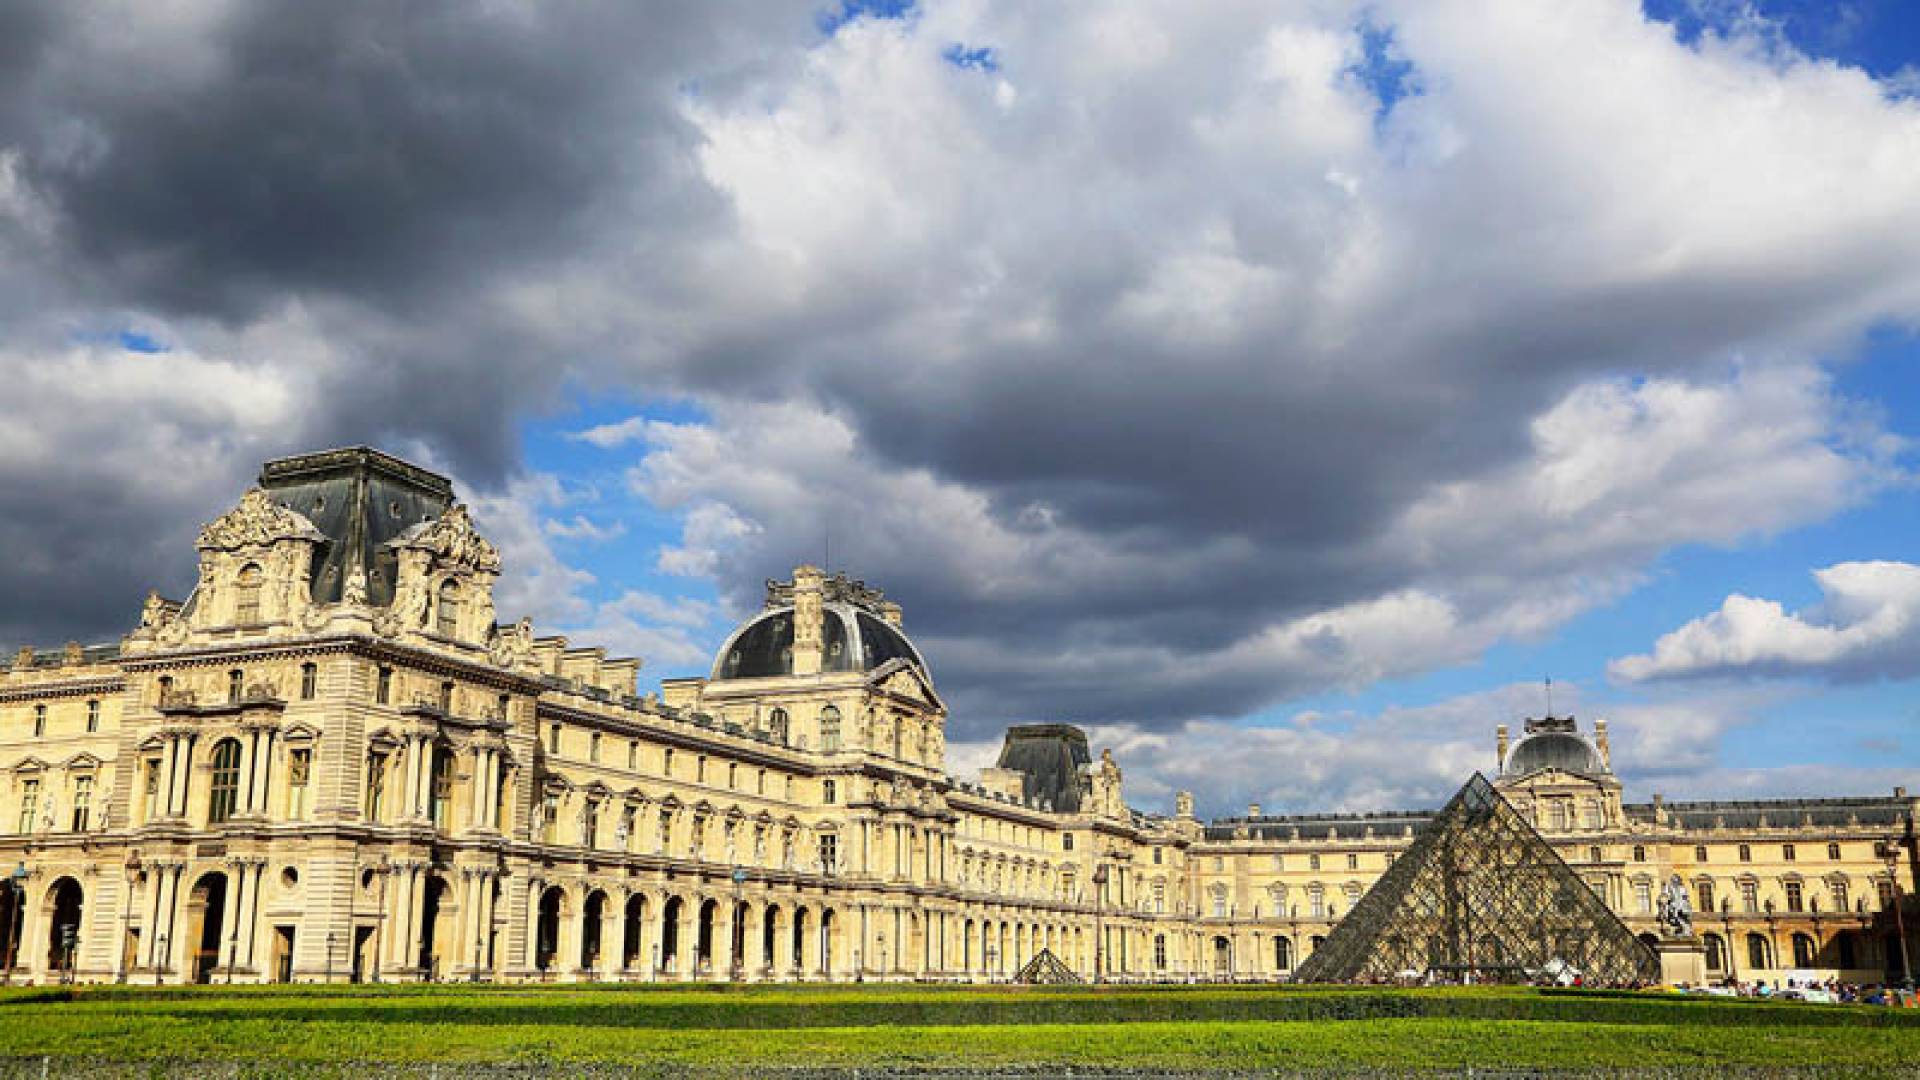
(851, 640)
(1553, 750)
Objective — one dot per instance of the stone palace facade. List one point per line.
(332, 761)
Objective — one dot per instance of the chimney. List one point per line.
(809, 619)
(1500, 747)
(1600, 743)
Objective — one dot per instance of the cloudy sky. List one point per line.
(1282, 390)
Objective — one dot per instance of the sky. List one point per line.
(1285, 392)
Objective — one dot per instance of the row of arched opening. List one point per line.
(682, 935)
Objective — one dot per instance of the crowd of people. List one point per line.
(1828, 990)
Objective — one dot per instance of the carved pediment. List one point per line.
(257, 522)
(453, 541)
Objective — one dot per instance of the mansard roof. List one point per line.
(360, 499)
(1879, 811)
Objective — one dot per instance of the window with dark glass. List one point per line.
(383, 686)
(441, 791)
(93, 716)
(448, 623)
(223, 790)
(309, 681)
(246, 597)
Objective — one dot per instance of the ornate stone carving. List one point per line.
(453, 541)
(257, 521)
(511, 646)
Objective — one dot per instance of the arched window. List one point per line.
(223, 793)
(1716, 953)
(448, 623)
(246, 596)
(1759, 952)
(1282, 954)
(1804, 952)
(829, 728)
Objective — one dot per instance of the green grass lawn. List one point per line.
(734, 1029)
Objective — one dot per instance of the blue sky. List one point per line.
(1283, 392)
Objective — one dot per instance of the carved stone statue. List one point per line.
(1676, 911)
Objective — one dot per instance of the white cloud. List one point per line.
(1867, 625)
(579, 527)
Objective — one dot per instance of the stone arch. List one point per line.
(672, 913)
(703, 934)
(633, 936)
(65, 905)
(593, 917)
(551, 914)
(206, 910)
(437, 915)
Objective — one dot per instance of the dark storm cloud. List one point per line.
(1156, 371)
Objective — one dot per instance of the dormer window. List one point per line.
(449, 610)
(246, 599)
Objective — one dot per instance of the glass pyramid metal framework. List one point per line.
(1480, 897)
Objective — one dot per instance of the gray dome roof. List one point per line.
(1553, 750)
(851, 640)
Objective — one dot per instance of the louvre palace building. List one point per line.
(334, 761)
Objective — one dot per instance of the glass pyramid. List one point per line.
(1480, 897)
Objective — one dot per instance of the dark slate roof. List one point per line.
(1866, 811)
(360, 498)
(1049, 758)
(1384, 825)
(851, 640)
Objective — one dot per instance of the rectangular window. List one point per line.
(550, 817)
(309, 681)
(827, 792)
(383, 687)
(1746, 853)
(39, 720)
(593, 748)
(700, 769)
(1786, 852)
(553, 740)
(1884, 890)
(829, 852)
(1749, 897)
(1353, 862)
(760, 782)
(1833, 851)
(1643, 897)
(1700, 853)
(1313, 862)
(1156, 857)
(150, 792)
(733, 777)
(1795, 900)
(666, 762)
(440, 788)
(29, 805)
(1704, 894)
(1066, 842)
(633, 756)
(236, 682)
(299, 768)
(376, 787)
(93, 717)
(590, 827)
(82, 802)
(1839, 890)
